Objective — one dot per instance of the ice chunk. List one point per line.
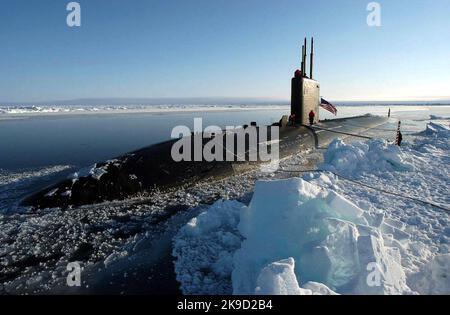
(328, 238)
(342, 252)
(287, 218)
(381, 270)
(279, 278)
(98, 172)
(397, 233)
(319, 289)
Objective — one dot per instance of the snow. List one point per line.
(326, 235)
(95, 171)
(15, 184)
(318, 288)
(327, 238)
(19, 110)
(98, 172)
(384, 273)
(374, 156)
(52, 192)
(434, 139)
(434, 277)
(436, 130)
(279, 278)
(204, 249)
(323, 235)
(416, 234)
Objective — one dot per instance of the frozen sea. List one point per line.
(122, 242)
(39, 145)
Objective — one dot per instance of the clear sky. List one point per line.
(222, 48)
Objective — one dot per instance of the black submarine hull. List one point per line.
(153, 167)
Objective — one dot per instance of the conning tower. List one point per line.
(305, 93)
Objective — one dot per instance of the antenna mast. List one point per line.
(312, 58)
(304, 58)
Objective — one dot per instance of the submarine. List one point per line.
(153, 168)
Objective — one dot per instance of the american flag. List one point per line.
(328, 106)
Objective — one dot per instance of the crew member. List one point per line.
(311, 117)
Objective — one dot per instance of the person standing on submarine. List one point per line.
(311, 117)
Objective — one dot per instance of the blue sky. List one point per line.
(222, 48)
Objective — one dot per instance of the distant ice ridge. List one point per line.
(24, 110)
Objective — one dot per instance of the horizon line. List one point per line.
(219, 100)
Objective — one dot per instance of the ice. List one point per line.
(94, 171)
(342, 237)
(204, 249)
(434, 140)
(16, 184)
(318, 289)
(318, 228)
(329, 242)
(98, 172)
(436, 129)
(126, 108)
(381, 269)
(414, 234)
(341, 248)
(374, 156)
(67, 193)
(434, 278)
(52, 192)
(279, 278)
(436, 117)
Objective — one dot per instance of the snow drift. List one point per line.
(373, 156)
